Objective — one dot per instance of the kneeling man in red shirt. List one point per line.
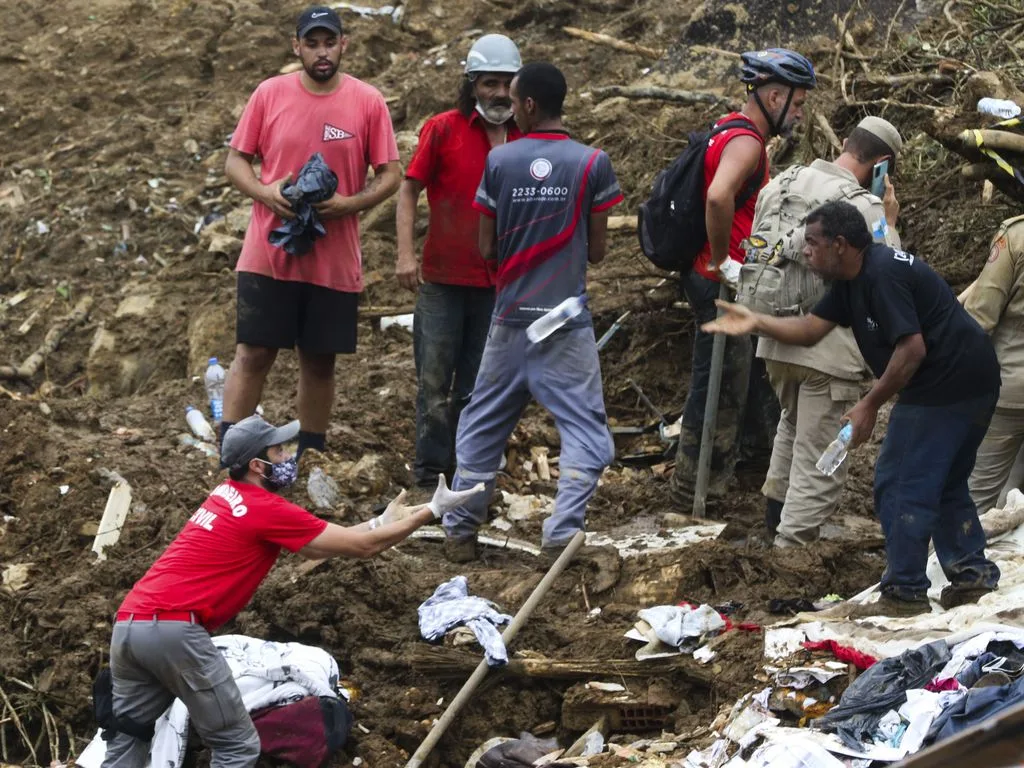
(161, 647)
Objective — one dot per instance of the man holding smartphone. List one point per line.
(817, 385)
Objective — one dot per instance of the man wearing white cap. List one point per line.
(455, 284)
(161, 647)
(815, 385)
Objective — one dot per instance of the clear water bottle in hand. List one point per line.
(199, 425)
(215, 389)
(835, 454)
(547, 324)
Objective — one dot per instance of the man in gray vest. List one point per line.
(815, 385)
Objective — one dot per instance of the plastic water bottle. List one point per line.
(835, 454)
(547, 324)
(1003, 108)
(199, 425)
(215, 389)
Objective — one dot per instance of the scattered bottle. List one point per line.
(215, 389)
(194, 442)
(835, 454)
(1003, 108)
(547, 324)
(199, 425)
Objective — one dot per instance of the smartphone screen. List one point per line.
(878, 178)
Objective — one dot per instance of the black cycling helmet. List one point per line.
(777, 65)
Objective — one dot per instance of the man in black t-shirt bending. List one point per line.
(922, 345)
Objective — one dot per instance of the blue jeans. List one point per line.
(921, 494)
(449, 332)
(563, 373)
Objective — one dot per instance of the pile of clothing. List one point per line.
(290, 689)
(894, 708)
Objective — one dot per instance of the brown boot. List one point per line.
(888, 605)
(460, 549)
(953, 595)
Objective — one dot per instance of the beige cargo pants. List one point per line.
(995, 468)
(812, 405)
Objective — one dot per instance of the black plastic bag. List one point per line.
(882, 687)
(316, 183)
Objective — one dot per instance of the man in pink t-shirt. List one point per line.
(309, 300)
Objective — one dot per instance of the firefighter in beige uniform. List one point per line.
(815, 385)
(996, 301)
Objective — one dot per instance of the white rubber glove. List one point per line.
(445, 500)
(730, 272)
(395, 510)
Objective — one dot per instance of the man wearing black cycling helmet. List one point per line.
(735, 170)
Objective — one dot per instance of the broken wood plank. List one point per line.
(827, 130)
(659, 93)
(913, 78)
(118, 503)
(438, 661)
(613, 42)
(53, 338)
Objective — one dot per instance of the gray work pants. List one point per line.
(154, 662)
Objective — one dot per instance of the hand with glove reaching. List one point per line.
(392, 526)
(396, 510)
(445, 500)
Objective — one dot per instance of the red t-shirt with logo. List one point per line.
(219, 558)
(449, 161)
(284, 124)
(743, 220)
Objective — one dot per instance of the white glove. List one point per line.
(730, 272)
(396, 510)
(445, 500)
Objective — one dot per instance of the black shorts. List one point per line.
(282, 314)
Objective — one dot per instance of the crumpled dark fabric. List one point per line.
(316, 182)
(883, 687)
(979, 704)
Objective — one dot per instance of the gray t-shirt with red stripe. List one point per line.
(542, 190)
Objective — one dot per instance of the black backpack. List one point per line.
(671, 223)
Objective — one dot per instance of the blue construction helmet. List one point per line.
(777, 65)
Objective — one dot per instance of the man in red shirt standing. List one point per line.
(735, 170)
(161, 647)
(306, 301)
(455, 284)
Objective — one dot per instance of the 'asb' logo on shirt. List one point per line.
(540, 169)
(331, 133)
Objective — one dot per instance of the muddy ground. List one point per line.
(115, 115)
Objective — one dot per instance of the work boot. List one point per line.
(772, 515)
(953, 595)
(887, 605)
(460, 549)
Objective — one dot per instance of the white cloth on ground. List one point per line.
(679, 625)
(267, 674)
(451, 605)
